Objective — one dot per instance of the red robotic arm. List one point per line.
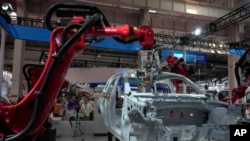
(243, 78)
(177, 67)
(144, 34)
(24, 120)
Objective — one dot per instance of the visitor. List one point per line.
(86, 109)
(56, 108)
(72, 109)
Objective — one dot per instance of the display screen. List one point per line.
(191, 57)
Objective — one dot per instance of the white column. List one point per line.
(146, 17)
(17, 76)
(139, 63)
(232, 59)
(184, 58)
(230, 3)
(2, 52)
(19, 48)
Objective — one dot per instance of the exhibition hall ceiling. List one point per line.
(171, 17)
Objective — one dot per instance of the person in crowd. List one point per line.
(92, 103)
(73, 107)
(56, 108)
(78, 101)
(63, 108)
(86, 109)
(81, 114)
(119, 102)
(247, 111)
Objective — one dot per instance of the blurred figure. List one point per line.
(56, 108)
(86, 109)
(73, 107)
(92, 103)
(119, 103)
(247, 111)
(63, 108)
(81, 114)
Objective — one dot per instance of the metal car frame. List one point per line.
(154, 115)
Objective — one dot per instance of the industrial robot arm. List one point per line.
(177, 66)
(102, 27)
(242, 78)
(24, 120)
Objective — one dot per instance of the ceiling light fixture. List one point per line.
(191, 11)
(197, 31)
(152, 11)
(7, 8)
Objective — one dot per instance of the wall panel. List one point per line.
(168, 5)
(168, 24)
(203, 10)
(179, 7)
(154, 3)
(140, 2)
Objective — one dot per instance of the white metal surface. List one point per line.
(157, 113)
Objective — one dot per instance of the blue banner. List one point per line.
(111, 43)
(25, 32)
(191, 57)
(42, 34)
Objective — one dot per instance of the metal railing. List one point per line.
(31, 22)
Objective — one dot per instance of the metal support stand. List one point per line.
(77, 128)
(110, 137)
(2, 52)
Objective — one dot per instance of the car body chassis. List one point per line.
(153, 111)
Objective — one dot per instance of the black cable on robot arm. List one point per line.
(85, 26)
(41, 93)
(95, 9)
(32, 122)
(107, 23)
(56, 6)
(239, 64)
(67, 29)
(26, 73)
(61, 52)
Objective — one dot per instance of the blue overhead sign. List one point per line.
(42, 34)
(191, 57)
(111, 43)
(25, 32)
(239, 52)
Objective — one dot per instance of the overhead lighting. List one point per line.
(152, 11)
(13, 15)
(218, 51)
(224, 52)
(197, 31)
(191, 11)
(7, 8)
(131, 8)
(212, 51)
(105, 4)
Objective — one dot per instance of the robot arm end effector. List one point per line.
(147, 38)
(127, 34)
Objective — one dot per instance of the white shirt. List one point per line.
(72, 113)
(86, 109)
